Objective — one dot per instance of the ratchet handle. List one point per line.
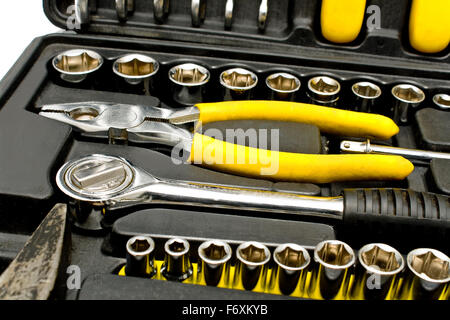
(393, 213)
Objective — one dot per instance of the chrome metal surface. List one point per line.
(323, 90)
(188, 82)
(379, 265)
(214, 257)
(74, 65)
(122, 9)
(160, 10)
(134, 68)
(262, 14)
(367, 147)
(82, 11)
(407, 97)
(442, 101)
(291, 261)
(365, 96)
(198, 12)
(141, 124)
(177, 265)
(140, 257)
(140, 187)
(251, 268)
(429, 274)
(283, 86)
(237, 83)
(333, 259)
(229, 5)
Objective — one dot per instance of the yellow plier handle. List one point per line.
(286, 166)
(329, 120)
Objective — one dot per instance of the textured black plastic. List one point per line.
(434, 129)
(440, 170)
(112, 287)
(397, 215)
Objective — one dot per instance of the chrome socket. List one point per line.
(177, 265)
(377, 272)
(198, 12)
(406, 100)
(251, 268)
(228, 16)
(365, 95)
(214, 265)
(333, 263)
(238, 84)
(75, 65)
(323, 90)
(136, 69)
(161, 10)
(124, 8)
(188, 83)
(442, 101)
(283, 86)
(140, 257)
(428, 276)
(291, 261)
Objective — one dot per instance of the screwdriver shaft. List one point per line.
(365, 147)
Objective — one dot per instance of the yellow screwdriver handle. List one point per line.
(429, 25)
(329, 120)
(341, 20)
(285, 166)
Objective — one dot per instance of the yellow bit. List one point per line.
(429, 25)
(341, 20)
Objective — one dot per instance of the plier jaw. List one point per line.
(124, 122)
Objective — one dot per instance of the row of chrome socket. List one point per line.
(378, 274)
(161, 9)
(189, 82)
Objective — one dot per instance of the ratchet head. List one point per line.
(102, 180)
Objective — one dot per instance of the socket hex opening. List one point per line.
(135, 66)
(291, 256)
(77, 61)
(140, 245)
(442, 101)
(214, 252)
(238, 79)
(381, 259)
(408, 93)
(189, 74)
(253, 253)
(176, 247)
(324, 85)
(283, 82)
(334, 254)
(366, 90)
(429, 264)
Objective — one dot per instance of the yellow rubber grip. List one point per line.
(329, 120)
(429, 25)
(313, 168)
(341, 20)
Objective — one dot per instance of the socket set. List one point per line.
(332, 270)
(127, 123)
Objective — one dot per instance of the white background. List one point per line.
(21, 21)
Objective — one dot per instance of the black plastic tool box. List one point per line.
(33, 148)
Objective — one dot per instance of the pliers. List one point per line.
(156, 124)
